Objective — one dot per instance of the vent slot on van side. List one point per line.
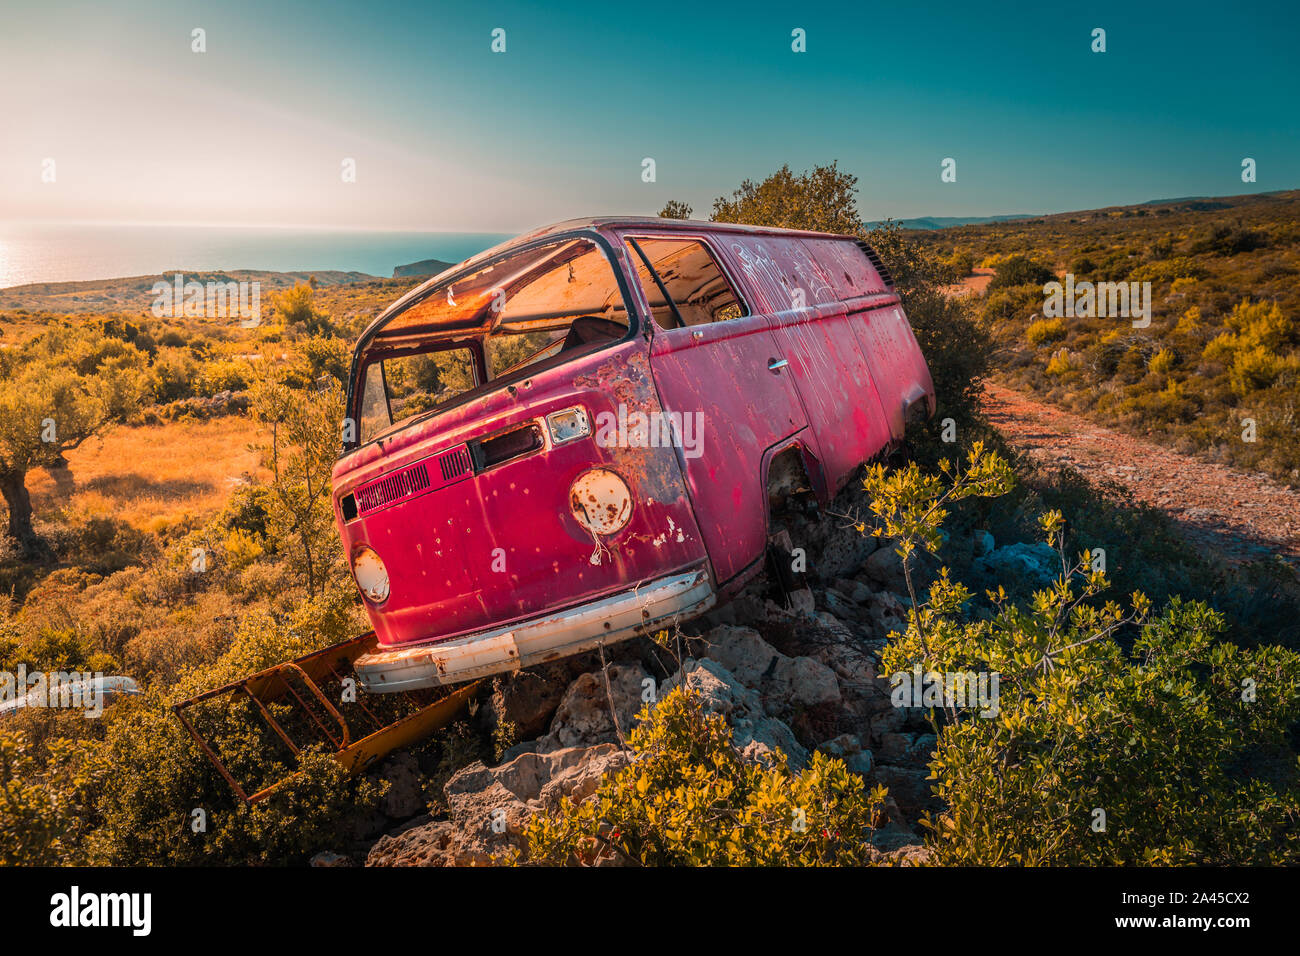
(454, 464)
(508, 446)
(876, 262)
(398, 485)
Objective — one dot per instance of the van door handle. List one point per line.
(775, 365)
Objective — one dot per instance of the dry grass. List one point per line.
(152, 476)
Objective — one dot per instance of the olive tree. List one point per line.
(55, 392)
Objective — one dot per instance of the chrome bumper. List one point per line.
(547, 638)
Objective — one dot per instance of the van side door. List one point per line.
(716, 364)
(813, 329)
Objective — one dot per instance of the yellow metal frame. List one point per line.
(276, 684)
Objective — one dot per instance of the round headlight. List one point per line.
(601, 501)
(371, 575)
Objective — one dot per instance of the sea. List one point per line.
(67, 252)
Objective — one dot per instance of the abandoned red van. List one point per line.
(570, 439)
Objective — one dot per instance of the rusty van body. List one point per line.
(568, 439)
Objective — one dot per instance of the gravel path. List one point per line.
(1228, 513)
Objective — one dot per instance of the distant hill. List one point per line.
(1181, 204)
(1064, 232)
(945, 222)
(425, 267)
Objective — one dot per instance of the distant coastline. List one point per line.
(56, 253)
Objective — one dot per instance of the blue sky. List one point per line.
(448, 135)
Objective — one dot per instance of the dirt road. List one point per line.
(1228, 513)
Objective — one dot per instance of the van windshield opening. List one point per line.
(534, 309)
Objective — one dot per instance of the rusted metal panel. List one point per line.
(898, 368)
(294, 691)
(723, 373)
(814, 332)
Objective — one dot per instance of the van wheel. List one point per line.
(792, 507)
(902, 454)
(782, 576)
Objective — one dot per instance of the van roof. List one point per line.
(603, 223)
(591, 223)
(657, 222)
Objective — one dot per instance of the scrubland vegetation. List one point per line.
(1165, 690)
(1216, 373)
(184, 561)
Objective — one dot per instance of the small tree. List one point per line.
(304, 443)
(1018, 271)
(676, 210)
(823, 200)
(297, 306)
(55, 392)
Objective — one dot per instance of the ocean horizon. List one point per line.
(67, 252)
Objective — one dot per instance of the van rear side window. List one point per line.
(697, 288)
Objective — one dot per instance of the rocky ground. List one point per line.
(799, 678)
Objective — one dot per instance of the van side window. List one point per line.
(404, 386)
(693, 279)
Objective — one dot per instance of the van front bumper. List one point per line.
(559, 634)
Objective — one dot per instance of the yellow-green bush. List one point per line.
(689, 799)
(1173, 752)
(1045, 331)
(1261, 324)
(46, 799)
(1162, 362)
(225, 375)
(1062, 362)
(1257, 367)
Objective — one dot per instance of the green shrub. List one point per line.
(690, 799)
(45, 799)
(962, 263)
(1062, 362)
(1256, 367)
(1095, 754)
(173, 375)
(1018, 271)
(1162, 362)
(1168, 270)
(297, 308)
(1262, 324)
(957, 349)
(1226, 240)
(225, 375)
(159, 777)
